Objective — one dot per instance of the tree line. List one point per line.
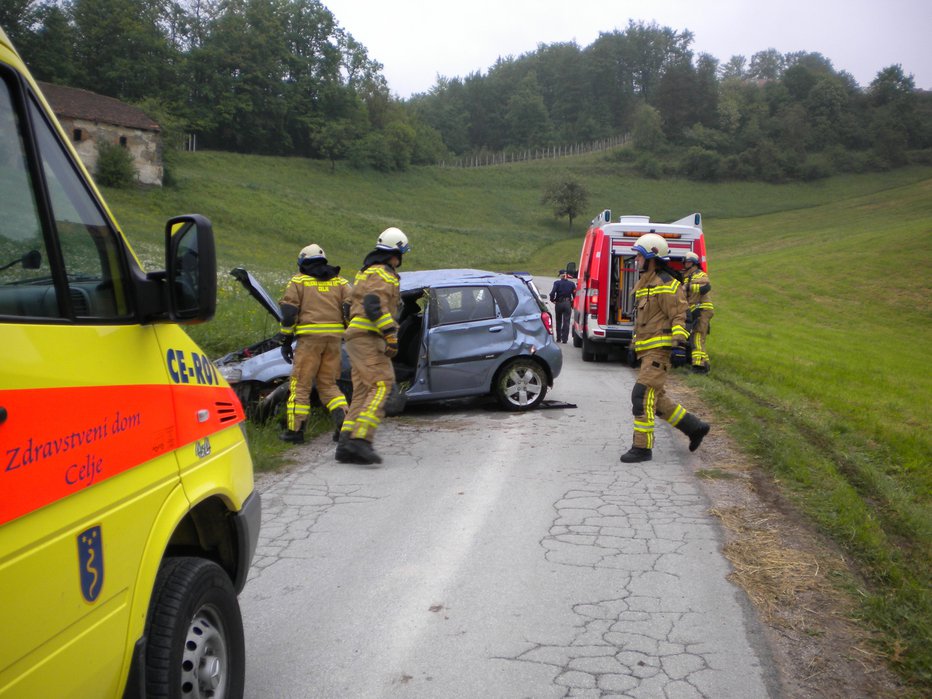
(282, 77)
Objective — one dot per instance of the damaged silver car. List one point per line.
(461, 333)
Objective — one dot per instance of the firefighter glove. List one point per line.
(284, 340)
(288, 353)
(391, 345)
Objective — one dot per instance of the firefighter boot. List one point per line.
(637, 454)
(337, 416)
(694, 428)
(292, 436)
(362, 451)
(343, 453)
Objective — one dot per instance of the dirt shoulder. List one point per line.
(794, 576)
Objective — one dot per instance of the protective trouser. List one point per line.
(700, 332)
(563, 309)
(373, 378)
(649, 398)
(316, 359)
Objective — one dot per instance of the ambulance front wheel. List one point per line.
(194, 633)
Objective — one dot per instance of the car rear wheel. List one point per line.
(194, 634)
(521, 385)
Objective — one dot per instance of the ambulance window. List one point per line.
(26, 286)
(91, 252)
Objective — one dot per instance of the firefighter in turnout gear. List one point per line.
(313, 312)
(659, 327)
(371, 342)
(698, 289)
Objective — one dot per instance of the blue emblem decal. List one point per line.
(91, 562)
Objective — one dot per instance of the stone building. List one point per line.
(89, 119)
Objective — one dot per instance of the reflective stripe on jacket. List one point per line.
(319, 303)
(698, 291)
(382, 281)
(661, 312)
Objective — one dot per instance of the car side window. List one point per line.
(461, 304)
(507, 299)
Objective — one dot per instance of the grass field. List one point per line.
(820, 342)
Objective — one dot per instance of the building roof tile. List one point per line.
(75, 103)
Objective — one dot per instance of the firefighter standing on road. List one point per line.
(371, 342)
(561, 295)
(312, 311)
(659, 327)
(698, 288)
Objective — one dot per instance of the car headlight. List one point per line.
(231, 372)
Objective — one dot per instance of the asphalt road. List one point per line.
(500, 555)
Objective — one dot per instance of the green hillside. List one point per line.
(820, 341)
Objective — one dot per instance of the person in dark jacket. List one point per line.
(561, 295)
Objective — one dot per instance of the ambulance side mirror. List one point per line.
(191, 269)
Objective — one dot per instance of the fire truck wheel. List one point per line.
(194, 633)
(520, 385)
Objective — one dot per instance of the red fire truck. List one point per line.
(603, 310)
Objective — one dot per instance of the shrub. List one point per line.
(702, 164)
(816, 167)
(114, 166)
(649, 166)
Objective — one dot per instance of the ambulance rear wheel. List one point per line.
(588, 351)
(194, 633)
(577, 340)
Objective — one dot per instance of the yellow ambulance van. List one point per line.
(128, 516)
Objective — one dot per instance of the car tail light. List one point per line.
(547, 320)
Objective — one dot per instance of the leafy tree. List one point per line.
(49, 49)
(399, 139)
(17, 17)
(333, 139)
(526, 116)
(567, 197)
(766, 65)
(120, 50)
(735, 68)
(676, 99)
(647, 130)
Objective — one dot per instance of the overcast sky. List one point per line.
(417, 40)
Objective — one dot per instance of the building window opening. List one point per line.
(77, 135)
(123, 141)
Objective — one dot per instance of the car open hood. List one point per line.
(256, 290)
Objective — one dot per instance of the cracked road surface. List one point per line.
(500, 555)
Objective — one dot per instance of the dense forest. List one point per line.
(282, 77)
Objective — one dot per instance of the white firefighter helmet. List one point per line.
(652, 245)
(393, 239)
(692, 257)
(311, 252)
